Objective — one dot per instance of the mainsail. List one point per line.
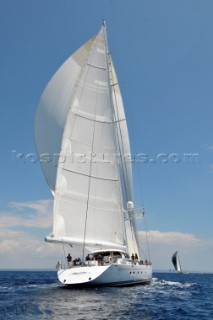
(176, 262)
(80, 129)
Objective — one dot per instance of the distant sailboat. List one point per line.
(80, 120)
(176, 263)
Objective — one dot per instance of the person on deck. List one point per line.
(69, 260)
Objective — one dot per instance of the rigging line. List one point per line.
(118, 126)
(139, 179)
(147, 244)
(63, 249)
(147, 241)
(90, 171)
(139, 176)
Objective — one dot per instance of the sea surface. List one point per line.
(39, 295)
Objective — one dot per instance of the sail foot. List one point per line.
(78, 242)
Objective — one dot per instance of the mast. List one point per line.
(110, 83)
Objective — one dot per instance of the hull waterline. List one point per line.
(112, 275)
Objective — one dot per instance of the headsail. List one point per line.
(125, 159)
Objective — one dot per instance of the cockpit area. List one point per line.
(101, 258)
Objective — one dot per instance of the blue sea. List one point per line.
(39, 295)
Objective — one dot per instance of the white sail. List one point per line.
(88, 201)
(125, 161)
(81, 118)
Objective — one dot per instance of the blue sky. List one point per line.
(162, 51)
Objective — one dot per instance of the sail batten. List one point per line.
(87, 117)
(98, 67)
(93, 177)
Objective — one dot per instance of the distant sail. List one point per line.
(176, 262)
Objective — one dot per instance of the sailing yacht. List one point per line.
(176, 263)
(81, 136)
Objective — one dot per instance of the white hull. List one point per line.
(112, 275)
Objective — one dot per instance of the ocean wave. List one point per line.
(172, 283)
